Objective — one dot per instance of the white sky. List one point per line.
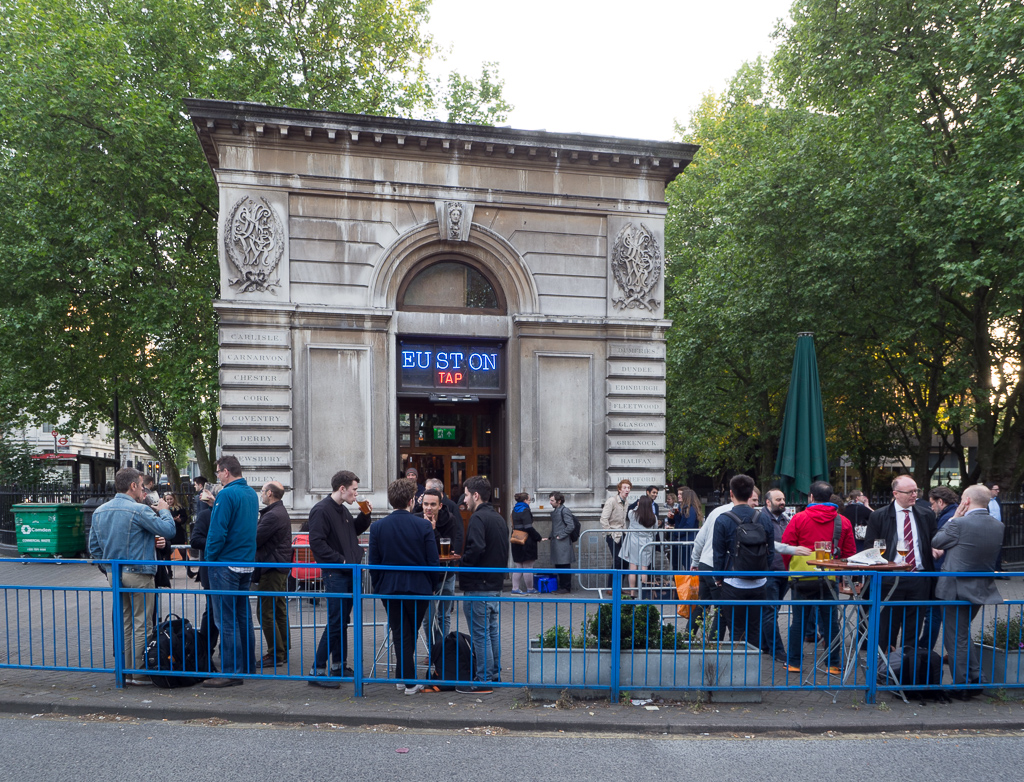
(619, 69)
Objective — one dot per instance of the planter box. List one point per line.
(999, 666)
(730, 665)
(575, 668)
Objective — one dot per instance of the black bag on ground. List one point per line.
(452, 658)
(917, 670)
(749, 544)
(177, 646)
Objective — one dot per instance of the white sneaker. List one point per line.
(400, 687)
(414, 689)
(138, 681)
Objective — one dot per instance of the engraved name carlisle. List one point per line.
(235, 335)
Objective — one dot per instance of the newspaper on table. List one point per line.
(868, 556)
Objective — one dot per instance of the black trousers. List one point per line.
(564, 579)
(902, 625)
(404, 620)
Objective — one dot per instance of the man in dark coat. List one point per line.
(274, 545)
(404, 539)
(905, 522)
(334, 540)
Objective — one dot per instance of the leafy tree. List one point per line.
(938, 88)
(107, 240)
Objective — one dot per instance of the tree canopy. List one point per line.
(865, 186)
(107, 239)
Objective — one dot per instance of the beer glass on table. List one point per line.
(823, 550)
(880, 545)
(446, 547)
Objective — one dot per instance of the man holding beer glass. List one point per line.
(448, 534)
(812, 529)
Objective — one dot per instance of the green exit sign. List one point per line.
(444, 432)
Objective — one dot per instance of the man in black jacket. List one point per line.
(486, 547)
(903, 522)
(274, 545)
(334, 540)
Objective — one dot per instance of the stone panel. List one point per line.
(255, 377)
(245, 236)
(262, 438)
(638, 349)
(638, 387)
(638, 479)
(564, 421)
(638, 442)
(636, 424)
(339, 426)
(636, 461)
(249, 397)
(247, 335)
(263, 460)
(636, 406)
(636, 369)
(257, 478)
(255, 418)
(256, 356)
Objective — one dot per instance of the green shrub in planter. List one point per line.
(1006, 635)
(641, 628)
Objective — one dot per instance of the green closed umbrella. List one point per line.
(802, 454)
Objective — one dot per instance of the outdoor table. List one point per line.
(860, 629)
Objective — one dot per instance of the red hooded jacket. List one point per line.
(818, 523)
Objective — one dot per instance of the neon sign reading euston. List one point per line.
(475, 367)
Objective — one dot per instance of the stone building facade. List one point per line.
(463, 299)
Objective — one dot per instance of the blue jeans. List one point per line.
(828, 623)
(482, 617)
(439, 618)
(234, 618)
(771, 638)
(333, 640)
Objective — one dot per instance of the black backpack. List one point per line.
(452, 658)
(177, 646)
(749, 544)
(577, 528)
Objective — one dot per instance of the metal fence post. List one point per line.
(874, 623)
(357, 630)
(115, 589)
(616, 645)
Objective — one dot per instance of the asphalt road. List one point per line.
(90, 748)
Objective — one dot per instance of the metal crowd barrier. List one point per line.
(65, 619)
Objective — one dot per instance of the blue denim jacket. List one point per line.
(126, 529)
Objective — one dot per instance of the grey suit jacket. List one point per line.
(971, 544)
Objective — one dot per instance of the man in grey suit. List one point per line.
(971, 540)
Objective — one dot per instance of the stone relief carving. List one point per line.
(454, 220)
(636, 267)
(254, 241)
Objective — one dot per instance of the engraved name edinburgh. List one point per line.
(636, 267)
(254, 241)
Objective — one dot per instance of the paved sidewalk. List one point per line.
(781, 713)
(515, 708)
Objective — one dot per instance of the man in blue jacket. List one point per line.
(232, 538)
(407, 540)
(126, 528)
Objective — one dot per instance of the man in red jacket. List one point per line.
(816, 523)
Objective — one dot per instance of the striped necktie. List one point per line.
(908, 535)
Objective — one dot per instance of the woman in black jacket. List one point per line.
(208, 626)
(524, 555)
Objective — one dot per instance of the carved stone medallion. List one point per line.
(454, 220)
(254, 241)
(636, 267)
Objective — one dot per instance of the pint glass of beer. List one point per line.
(823, 549)
(446, 547)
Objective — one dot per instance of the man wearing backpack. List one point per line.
(821, 521)
(743, 541)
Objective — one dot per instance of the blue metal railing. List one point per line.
(612, 644)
